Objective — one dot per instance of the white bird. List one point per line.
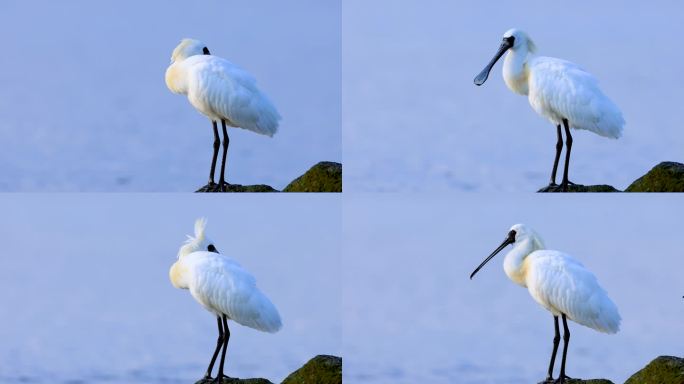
(223, 288)
(221, 91)
(558, 90)
(560, 284)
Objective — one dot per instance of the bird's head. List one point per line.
(517, 234)
(513, 39)
(199, 242)
(517, 39)
(187, 48)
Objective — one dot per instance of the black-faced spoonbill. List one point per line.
(223, 288)
(223, 92)
(558, 283)
(558, 90)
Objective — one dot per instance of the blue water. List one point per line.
(414, 121)
(412, 315)
(84, 106)
(85, 295)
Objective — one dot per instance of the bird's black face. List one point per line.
(510, 239)
(211, 248)
(205, 50)
(506, 44)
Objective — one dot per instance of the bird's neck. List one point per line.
(515, 69)
(514, 263)
(176, 78)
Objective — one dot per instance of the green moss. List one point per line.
(325, 176)
(662, 370)
(322, 369)
(665, 177)
(581, 188)
(591, 381)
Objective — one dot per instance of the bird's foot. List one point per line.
(548, 380)
(210, 187)
(223, 186)
(564, 185)
(562, 379)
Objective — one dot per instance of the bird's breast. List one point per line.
(517, 82)
(178, 276)
(176, 79)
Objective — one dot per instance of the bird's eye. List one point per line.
(211, 248)
(510, 39)
(205, 50)
(511, 234)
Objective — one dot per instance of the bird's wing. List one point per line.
(222, 285)
(574, 94)
(561, 283)
(231, 92)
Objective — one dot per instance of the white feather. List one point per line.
(563, 285)
(222, 286)
(559, 283)
(220, 89)
(558, 89)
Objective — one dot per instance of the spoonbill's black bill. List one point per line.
(223, 92)
(558, 90)
(505, 45)
(560, 284)
(223, 288)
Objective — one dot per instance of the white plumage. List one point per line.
(224, 288)
(224, 93)
(557, 282)
(561, 284)
(558, 90)
(220, 89)
(221, 285)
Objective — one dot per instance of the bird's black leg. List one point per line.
(219, 343)
(559, 148)
(568, 144)
(556, 341)
(219, 377)
(217, 143)
(566, 339)
(226, 141)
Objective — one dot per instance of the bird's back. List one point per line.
(561, 284)
(223, 91)
(559, 89)
(222, 286)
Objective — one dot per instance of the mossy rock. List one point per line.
(322, 369)
(237, 188)
(662, 370)
(590, 381)
(232, 380)
(667, 176)
(580, 188)
(325, 176)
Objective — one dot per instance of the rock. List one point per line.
(590, 381)
(231, 380)
(662, 370)
(322, 369)
(667, 176)
(237, 188)
(580, 188)
(325, 176)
